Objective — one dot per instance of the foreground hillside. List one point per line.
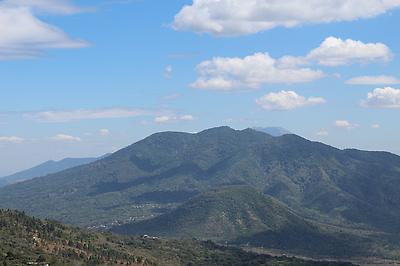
(25, 240)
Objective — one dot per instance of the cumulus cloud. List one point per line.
(336, 52)
(345, 124)
(373, 80)
(167, 119)
(86, 114)
(11, 139)
(65, 137)
(224, 73)
(286, 100)
(387, 97)
(238, 17)
(251, 72)
(25, 35)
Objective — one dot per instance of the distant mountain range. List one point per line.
(49, 167)
(314, 199)
(273, 131)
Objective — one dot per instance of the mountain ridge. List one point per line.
(46, 168)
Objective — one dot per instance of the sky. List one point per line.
(84, 78)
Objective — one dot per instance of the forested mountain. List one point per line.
(244, 216)
(28, 241)
(352, 189)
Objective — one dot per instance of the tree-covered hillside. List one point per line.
(242, 215)
(25, 240)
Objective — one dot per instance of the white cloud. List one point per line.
(11, 139)
(86, 114)
(104, 132)
(286, 100)
(373, 80)
(376, 126)
(167, 119)
(345, 124)
(322, 133)
(238, 17)
(62, 7)
(24, 35)
(335, 52)
(249, 72)
(186, 118)
(64, 137)
(387, 97)
(162, 119)
(168, 72)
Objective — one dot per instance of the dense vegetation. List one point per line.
(242, 215)
(25, 240)
(323, 187)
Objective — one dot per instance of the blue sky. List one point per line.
(85, 78)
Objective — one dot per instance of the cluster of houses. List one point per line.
(149, 237)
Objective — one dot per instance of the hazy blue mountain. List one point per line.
(49, 167)
(273, 131)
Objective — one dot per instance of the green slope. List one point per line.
(243, 215)
(226, 213)
(25, 240)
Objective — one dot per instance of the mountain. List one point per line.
(273, 131)
(242, 215)
(29, 241)
(49, 167)
(356, 190)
